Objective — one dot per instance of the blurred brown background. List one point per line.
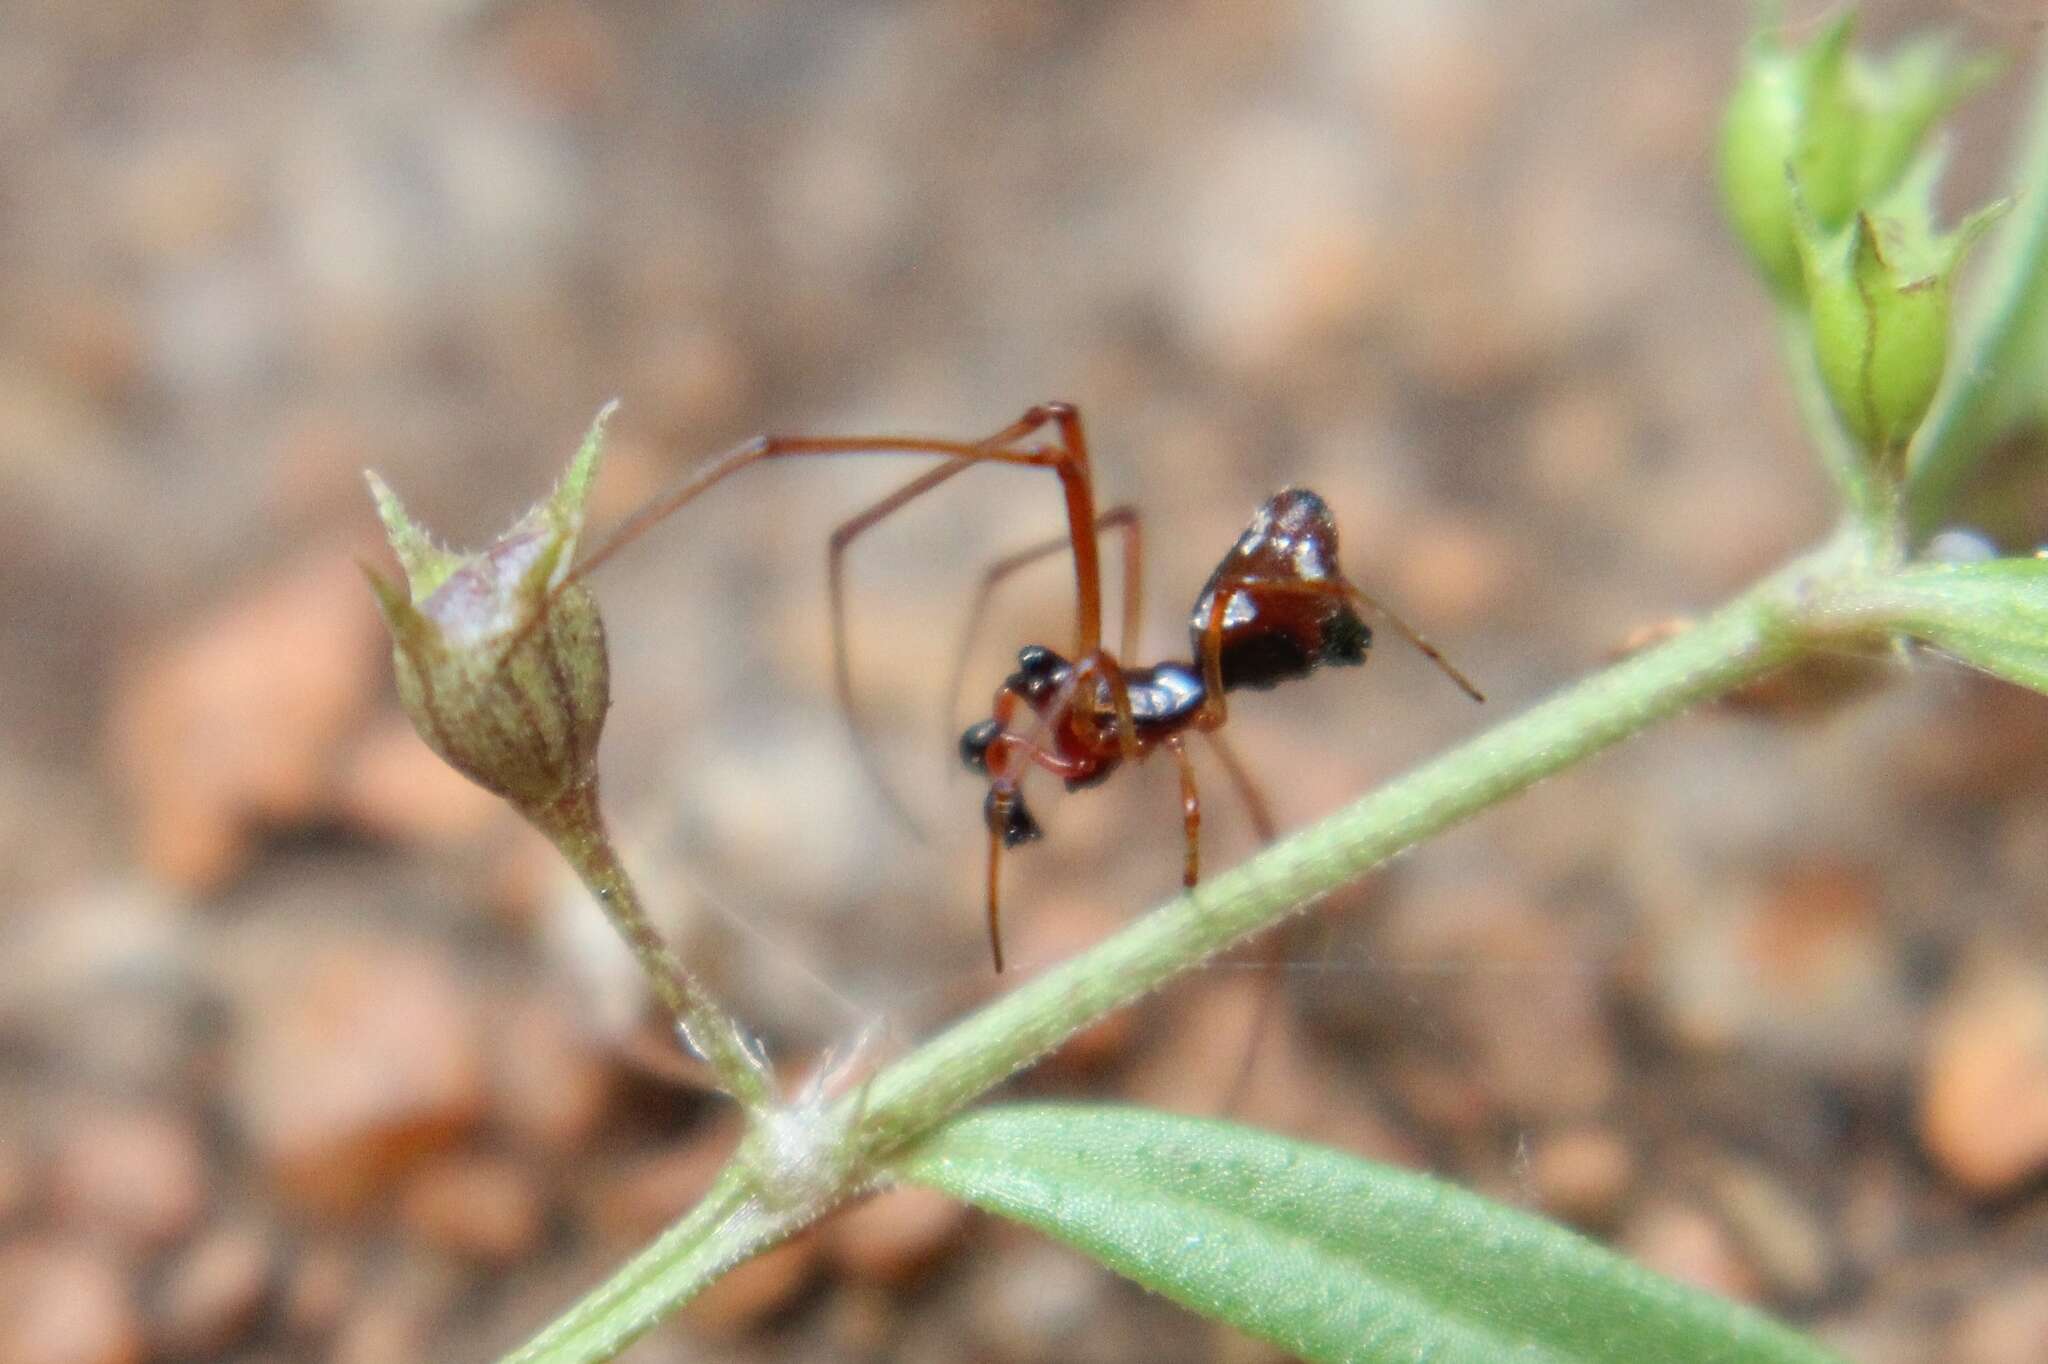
(307, 1052)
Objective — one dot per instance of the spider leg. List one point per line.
(1123, 518)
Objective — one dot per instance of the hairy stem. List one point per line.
(723, 1229)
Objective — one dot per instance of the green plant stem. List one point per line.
(575, 825)
(1992, 379)
(723, 1229)
(1756, 633)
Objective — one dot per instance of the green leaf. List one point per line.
(1327, 1256)
(1992, 615)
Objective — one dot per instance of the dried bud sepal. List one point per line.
(501, 668)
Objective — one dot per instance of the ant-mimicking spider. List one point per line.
(1276, 608)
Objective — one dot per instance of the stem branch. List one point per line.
(575, 825)
(723, 1229)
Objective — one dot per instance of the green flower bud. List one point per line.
(1846, 126)
(501, 668)
(1791, 107)
(1878, 291)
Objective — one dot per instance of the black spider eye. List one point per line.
(974, 745)
(1034, 660)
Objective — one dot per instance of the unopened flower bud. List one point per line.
(501, 667)
(1846, 126)
(1790, 108)
(1878, 291)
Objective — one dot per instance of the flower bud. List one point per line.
(1878, 291)
(502, 668)
(1848, 127)
(1791, 107)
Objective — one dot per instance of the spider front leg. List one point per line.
(1068, 458)
(1123, 518)
(1006, 757)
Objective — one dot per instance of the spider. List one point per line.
(1276, 608)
